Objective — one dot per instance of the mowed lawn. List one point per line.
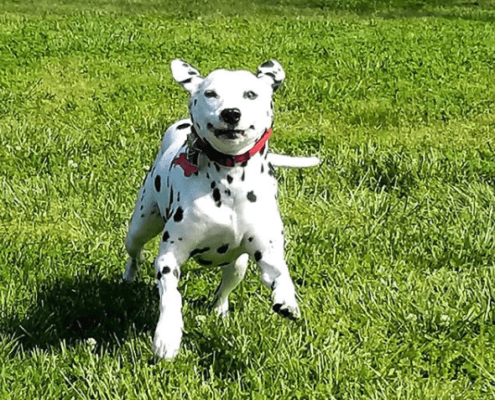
(390, 241)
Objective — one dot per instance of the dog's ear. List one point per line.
(186, 75)
(272, 72)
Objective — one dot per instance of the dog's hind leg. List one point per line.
(146, 223)
(232, 275)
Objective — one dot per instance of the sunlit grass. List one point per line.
(390, 241)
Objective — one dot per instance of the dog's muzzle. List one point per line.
(230, 134)
(231, 116)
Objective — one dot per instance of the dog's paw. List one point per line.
(127, 278)
(222, 309)
(288, 311)
(284, 298)
(131, 270)
(166, 344)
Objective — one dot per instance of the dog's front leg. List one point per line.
(168, 331)
(275, 275)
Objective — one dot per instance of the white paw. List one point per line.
(166, 344)
(284, 301)
(287, 310)
(131, 271)
(222, 309)
(127, 277)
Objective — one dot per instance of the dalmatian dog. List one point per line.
(212, 195)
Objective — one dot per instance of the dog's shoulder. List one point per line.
(175, 136)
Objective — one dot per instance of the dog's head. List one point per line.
(230, 109)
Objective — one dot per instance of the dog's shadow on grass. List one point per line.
(75, 309)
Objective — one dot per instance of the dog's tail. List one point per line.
(280, 160)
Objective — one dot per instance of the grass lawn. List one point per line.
(391, 241)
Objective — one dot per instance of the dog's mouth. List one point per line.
(229, 134)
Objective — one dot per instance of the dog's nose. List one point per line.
(231, 115)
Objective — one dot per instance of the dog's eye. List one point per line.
(250, 95)
(211, 94)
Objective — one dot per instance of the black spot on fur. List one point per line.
(213, 184)
(229, 179)
(198, 251)
(166, 270)
(165, 236)
(271, 170)
(203, 262)
(207, 175)
(199, 127)
(141, 207)
(217, 167)
(158, 275)
(272, 75)
(178, 196)
(195, 101)
(158, 183)
(251, 196)
(184, 126)
(171, 199)
(262, 150)
(142, 215)
(168, 181)
(274, 285)
(178, 214)
(164, 219)
(262, 168)
(258, 255)
(223, 249)
(244, 164)
(283, 312)
(180, 239)
(185, 81)
(267, 64)
(243, 175)
(216, 195)
(227, 192)
(250, 239)
(176, 273)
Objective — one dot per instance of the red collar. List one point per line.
(221, 158)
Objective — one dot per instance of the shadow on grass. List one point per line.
(75, 309)
(84, 307)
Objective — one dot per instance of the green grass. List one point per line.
(390, 242)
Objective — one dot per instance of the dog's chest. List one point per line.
(220, 205)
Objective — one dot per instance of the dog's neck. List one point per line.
(196, 143)
(196, 146)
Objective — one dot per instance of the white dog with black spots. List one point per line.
(212, 194)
